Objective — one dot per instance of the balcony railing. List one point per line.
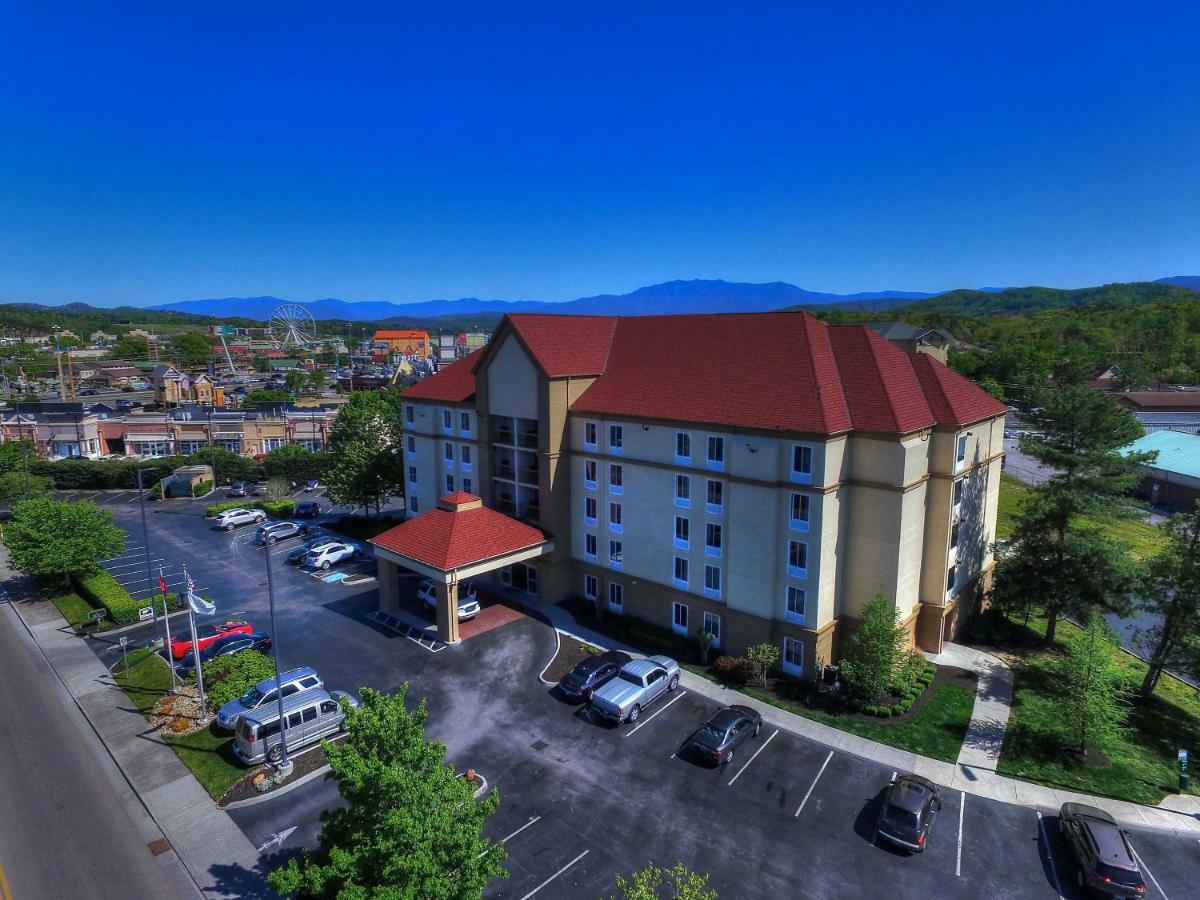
(502, 436)
(529, 475)
(527, 440)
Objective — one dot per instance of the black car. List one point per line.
(311, 485)
(583, 680)
(1107, 863)
(307, 509)
(717, 739)
(226, 646)
(910, 804)
(295, 557)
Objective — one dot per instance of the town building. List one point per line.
(1173, 479)
(915, 339)
(412, 341)
(62, 430)
(1163, 410)
(762, 496)
(173, 385)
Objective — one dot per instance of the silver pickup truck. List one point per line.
(637, 685)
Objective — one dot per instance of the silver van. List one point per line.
(310, 716)
(293, 682)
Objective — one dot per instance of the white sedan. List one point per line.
(468, 603)
(322, 556)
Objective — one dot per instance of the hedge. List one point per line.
(280, 509)
(98, 474)
(227, 677)
(201, 488)
(102, 590)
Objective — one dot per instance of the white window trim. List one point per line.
(713, 593)
(680, 629)
(616, 489)
(596, 542)
(616, 449)
(710, 551)
(797, 618)
(790, 667)
(590, 445)
(681, 543)
(590, 484)
(711, 464)
(590, 521)
(714, 509)
(616, 527)
(680, 459)
(591, 586)
(797, 571)
(675, 580)
(799, 524)
(799, 477)
(616, 563)
(960, 442)
(616, 606)
(683, 502)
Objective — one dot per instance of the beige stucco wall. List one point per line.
(512, 380)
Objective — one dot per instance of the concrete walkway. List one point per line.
(993, 700)
(216, 854)
(980, 780)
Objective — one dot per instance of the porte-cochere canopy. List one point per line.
(460, 538)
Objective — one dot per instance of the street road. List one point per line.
(64, 831)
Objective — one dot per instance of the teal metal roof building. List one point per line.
(1173, 479)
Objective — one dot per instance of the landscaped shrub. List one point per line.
(201, 488)
(733, 669)
(871, 710)
(896, 710)
(279, 509)
(102, 589)
(227, 677)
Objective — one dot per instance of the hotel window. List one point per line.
(412, 505)
(683, 447)
(589, 435)
(615, 480)
(468, 486)
(616, 597)
(683, 491)
(712, 581)
(448, 452)
(589, 546)
(589, 510)
(954, 536)
(712, 539)
(798, 559)
(679, 617)
(681, 572)
(958, 490)
(590, 586)
(715, 500)
(615, 551)
(712, 625)
(615, 521)
(683, 530)
(412, 474)
(801, 463)
(449, 484)
(447, 420)
(716, 452)
(616, 438)
(795, 605)
(408, 413)
(960, 455)
(466, 456)
(798, 512)
(793, 656)
(589, 474)
(464, 423)
(410, 444)
(951, 579)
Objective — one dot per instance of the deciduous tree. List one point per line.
(58, 538)
(1093, 691)
(410, 828)
(365, 446)
(875, 649)
(680, 882)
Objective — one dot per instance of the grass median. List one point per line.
(72, 607)
(207, 753)
(1142, 763)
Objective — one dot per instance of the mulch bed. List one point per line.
(178, 714)
(243, 788)
(571, 652)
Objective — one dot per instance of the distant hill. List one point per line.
(1191, 282)
(696, 296)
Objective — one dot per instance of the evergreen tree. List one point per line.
(1093, 691)
(873, 652)
(1170, 598)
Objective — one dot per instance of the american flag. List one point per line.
(190, 587)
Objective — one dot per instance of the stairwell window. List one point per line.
(712, 582)
(798, 511)
(683, 448)
(616, 479)
(683, 530)
(802, 460)
(616, 439)
(712, 539)
(716, 453)
(795, 604)
(797, 559)
(681, 572)
(683, 491)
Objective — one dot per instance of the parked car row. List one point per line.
(618, 687)
(226, 645)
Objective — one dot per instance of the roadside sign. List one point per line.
(125, 652)
(145, 613)
(1183, 771)
(95, 615)
(124, 640)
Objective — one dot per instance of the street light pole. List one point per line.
(285, 765)
(150, 581)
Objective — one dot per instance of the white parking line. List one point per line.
(646, 721)
(556, 874)
(1050, 856)
(519, 830)
(962, 805)
(800, 808)
(1145, 869)
(754, 756)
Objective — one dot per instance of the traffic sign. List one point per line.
(145, 613)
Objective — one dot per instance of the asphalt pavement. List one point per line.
(65, 829)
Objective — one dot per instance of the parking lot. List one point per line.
(582, 799)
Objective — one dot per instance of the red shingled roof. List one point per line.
(454, 383)
(953, 399)
(780, 370)
(448, 539)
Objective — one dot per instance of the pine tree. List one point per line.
(1093, 691)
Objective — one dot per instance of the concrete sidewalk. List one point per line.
(216, 854)
(993, 700)
(970, 779)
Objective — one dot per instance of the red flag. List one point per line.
(162, 585)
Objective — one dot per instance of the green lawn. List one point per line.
(72, 607)
(208, 753)
(936, 730)
(1142, 539)
(1143, 765)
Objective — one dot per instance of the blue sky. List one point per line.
(152, 152)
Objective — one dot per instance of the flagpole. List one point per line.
(195, 650)
(167, 631)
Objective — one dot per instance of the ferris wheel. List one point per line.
(292, 325)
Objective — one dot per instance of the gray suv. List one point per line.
(910, 805)
(1107, 864)
(295, 681)
(279, 531)
(308, 717)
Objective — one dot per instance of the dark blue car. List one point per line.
(226, 646)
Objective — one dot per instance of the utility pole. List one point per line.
(150, 582)
(70, 376)
(285, 765)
